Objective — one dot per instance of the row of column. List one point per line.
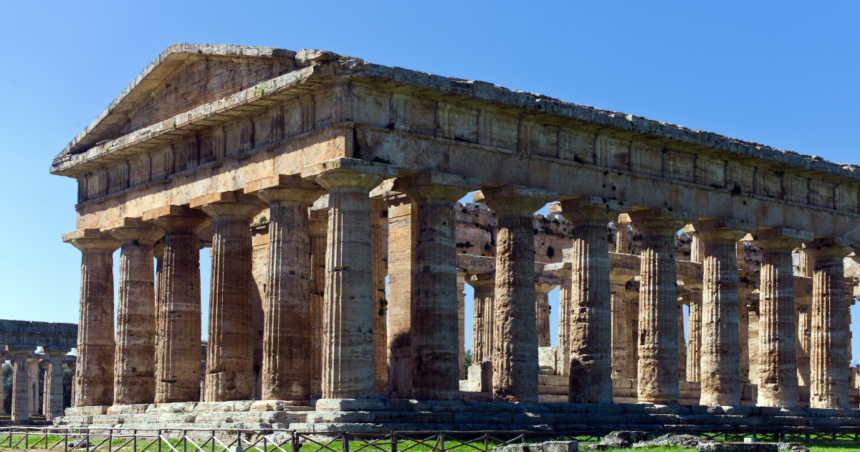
(25, 383)
(424, 359)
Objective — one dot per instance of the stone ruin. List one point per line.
(313, 176)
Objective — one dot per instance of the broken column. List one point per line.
(720, 347)
(230, 351)
(435, 358)
(777, 354)
(348, 331)
(658, 304)
(20, 382)
(829, 345)
(96, 346)
(178, 309)
(54, 381)
(590, 308)
(318, 233)
(401, 263)
(378, 218)
(515, 354)
(287, 334)
(134, 368)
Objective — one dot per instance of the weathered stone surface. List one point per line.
(515, 365)
(829, 344)
(348, 337)
(542, 312)
(435, 358)
(134, 368)
(402, 234)
(378, 218)
(178, 308)
(658, 317)
(20, 384)
(287, 334)
(54, 382)
(483, 326)
(96, 347)
(318, 235)
(777, 348)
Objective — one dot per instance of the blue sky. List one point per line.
(780, 73)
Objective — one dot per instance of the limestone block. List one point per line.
(560, 446)
(127, 409)
(737, 447)
(562, 361)
(548, 360)
(350, 405)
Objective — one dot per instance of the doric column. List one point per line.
(287, 333)
(622, 237)
(658, 304)
(318, 234)
(134, 366)
(720, 347)
(73, 366)
(158, 254)
(694, 331)
(621, 337)
(829, 344)
(682, 346)
(401, 263)
(515, 354)
(563, 272)
(744, 291)
(3, 358)
(54, 381)
(461, 321)
(378, 218)
(590, 310)
(777, 385)
(178, 309)
(633, 345)
(542, 311)
(348, 341)
(435, 358)
(33, 362)
(803, 338)
(95, 328)
(46, 367)
(482, 336)
(20, 382)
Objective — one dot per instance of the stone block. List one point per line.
(339, 417)
(552, 398)
(737, 447)
(560, 446)
(350, 405)
(547, 360)
(176, 418)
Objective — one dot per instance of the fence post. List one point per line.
(110, 439)
(442, 442)
(344, 443)
(159, 440)
(393, 441)
(184, 441)
(134, 439)
(294, 441)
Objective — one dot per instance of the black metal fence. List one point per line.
(275, 440)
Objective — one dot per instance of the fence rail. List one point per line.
(111, 439)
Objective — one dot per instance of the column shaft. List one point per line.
(20, 383)
(461, 321)
(401, 260)
(178, 311)
(565, 298)
(803, 336)
(620, 328)
(829, 344)
(96, 345)
(482, 340)
(542, 310)
(694, 336)
(318, 227)
(54, 382)
(379, 216)
(515, 354)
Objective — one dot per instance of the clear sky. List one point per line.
(780, 73)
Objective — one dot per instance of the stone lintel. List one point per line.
(621, 262)
(126, 222)
(235, 197)
(56, 350)
(779, 234)
(688, 269)
(561, 269)
(845, 245)
(174, 211)
(347, 164)
(79, 234)
(517, 198)
(436, 178)
(473, 265)
(638, 216)
(280, 181)
(720, 223)
(693, 283)
(20, 349)
(573, 205)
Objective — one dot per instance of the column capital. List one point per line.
(436, 186)
(53, 350)
(132, 231)
(720, 229)
(91, 240)
(284, 187)
(589, 209)
(833, 247)
(482, 280)
(515, 199)
(349, 175)
(229, 205)
(562, 269)
(177, 217)
(660, 219)
(20, 349)
(34, 358)
(779, 238)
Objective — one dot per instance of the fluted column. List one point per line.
(33, 364)
(435, 358)
(178, 309)
(3, 358)
(682, 346)
(401, 261)
(348, 337)
(777, 385)
(230, 351)
(54, 381)
(542, 312)
(96, 345)
(658, 304)
(461, 321)
(482, 337)
(21, 382)
(621, 337)
(318, 227)
(694, 333)
(633, 345)
(378, 218)
(515, 354)
(744, 291)
(287, 333)
(803, 338)
(565, 298)
(590, 309)
(134, 367)
(829, 344)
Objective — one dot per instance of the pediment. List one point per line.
(183, 77)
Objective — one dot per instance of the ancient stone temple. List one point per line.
(313, 176)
